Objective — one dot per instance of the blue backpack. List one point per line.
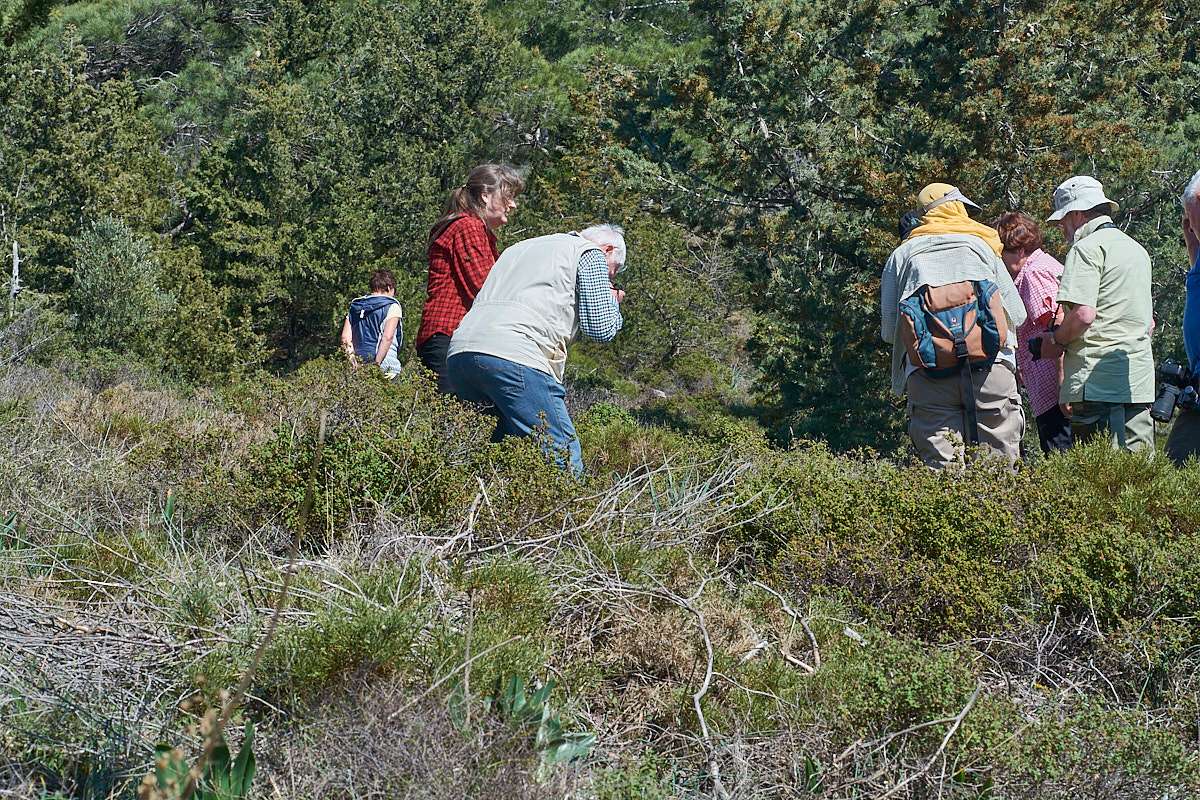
(366, 316)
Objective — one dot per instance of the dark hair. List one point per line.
(1018, 232)
(909, 221)
(382, 281)
(468, 198)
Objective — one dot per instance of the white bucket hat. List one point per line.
(1081, 193)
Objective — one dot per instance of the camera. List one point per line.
(1177, 388)
(1035, 344)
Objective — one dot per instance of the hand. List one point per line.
(1065, 408)
(618, 295)
(1050, 348)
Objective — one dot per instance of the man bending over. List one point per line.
(510, 351)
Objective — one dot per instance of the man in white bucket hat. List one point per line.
(1106, 321)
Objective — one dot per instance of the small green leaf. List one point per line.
(242, 774)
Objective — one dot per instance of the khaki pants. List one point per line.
(1127, 425)
(937, 420)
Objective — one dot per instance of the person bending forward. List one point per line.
(1036, 274)
(1108, 367)
(510, 351)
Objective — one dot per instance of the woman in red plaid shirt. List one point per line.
(462, 250)
(1036, 275)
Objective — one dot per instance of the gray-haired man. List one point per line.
(1107, 319)
(510, 351)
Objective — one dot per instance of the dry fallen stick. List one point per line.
(937, 753)
(812, 639)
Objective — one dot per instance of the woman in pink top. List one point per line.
(1036, 274)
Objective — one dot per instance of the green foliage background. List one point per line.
(197, 188)
(274, 153)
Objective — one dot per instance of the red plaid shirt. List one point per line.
(460, 259)
(1037, 283)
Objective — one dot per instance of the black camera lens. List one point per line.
(1172, 372)
(1164, 405)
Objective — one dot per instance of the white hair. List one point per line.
(1191, 194)
(607, 234)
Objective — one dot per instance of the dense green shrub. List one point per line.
(117, 294)
(250, 164)
(378, 454)
(932, 551)
(1066, 590)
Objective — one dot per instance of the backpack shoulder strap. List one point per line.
(969, 409)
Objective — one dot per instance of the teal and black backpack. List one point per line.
(948, 330)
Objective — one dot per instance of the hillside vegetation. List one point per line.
(251, 162)
(752, 594)
(724, 618)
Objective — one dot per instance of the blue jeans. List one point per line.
(525, 399)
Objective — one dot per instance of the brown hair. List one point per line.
(1018, 232)
(382, 281)
(468, 198)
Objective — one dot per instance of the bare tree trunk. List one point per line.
(14, 285)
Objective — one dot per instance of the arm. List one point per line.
(1075, 324)
(1077, 295)
(599, 315)
(472, 257)
(889, 304)
(1013, 305)
(1191, 231)
(385, 338)
(347, 340)
(1052, 349)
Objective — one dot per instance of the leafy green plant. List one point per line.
(225, 778)
(117, 295)
(554, 746)
(12, 530)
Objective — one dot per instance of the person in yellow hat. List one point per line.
(948, 271)
(944, 211)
